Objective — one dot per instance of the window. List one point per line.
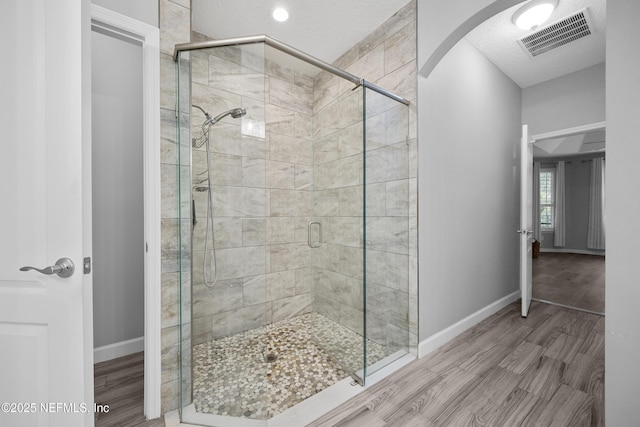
(547, 198)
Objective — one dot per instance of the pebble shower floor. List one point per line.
(234, 376)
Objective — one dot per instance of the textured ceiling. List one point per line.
(497, 39)
(324, 29)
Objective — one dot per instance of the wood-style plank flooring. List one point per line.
(119, 383)
(547, 369)
(574, 280)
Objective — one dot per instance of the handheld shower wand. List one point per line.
(197, 143)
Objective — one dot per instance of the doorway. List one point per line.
(118, 210)
(118, 223)
(569, 196)
(554, 99)
(142, 42)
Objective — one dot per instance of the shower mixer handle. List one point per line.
(63, 268)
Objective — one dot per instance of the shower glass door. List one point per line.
(387, 221)
(225, 311)
(272, 308)
(293, 197)
(336, 232)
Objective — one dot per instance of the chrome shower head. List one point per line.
(199, 141)
(235, 113)
(238, 112)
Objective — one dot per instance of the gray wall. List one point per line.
(440, 25)
(622, 343)
(118, 239)
(142, 10)
(577, 182)
(568, 101)
(469, 127)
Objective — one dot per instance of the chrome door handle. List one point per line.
(319, 242)
(524, 231)
(63, 268)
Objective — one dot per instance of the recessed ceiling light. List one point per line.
(534, 13)
(280, 14)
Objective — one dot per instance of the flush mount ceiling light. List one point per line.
(534, 13)
(280, 14)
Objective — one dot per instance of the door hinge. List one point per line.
(86, 265)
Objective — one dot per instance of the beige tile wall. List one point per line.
(387, 57)
(262, 184)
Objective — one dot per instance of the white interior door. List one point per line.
(45, 320)
(526, 219)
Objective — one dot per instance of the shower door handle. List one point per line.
(63, 268)
(318, 243)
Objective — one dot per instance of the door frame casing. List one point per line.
(526, 219)
(558, 134)
(124, 27)
(568, 131)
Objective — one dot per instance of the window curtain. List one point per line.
(536, 202)
(558, 223)
(595, 232)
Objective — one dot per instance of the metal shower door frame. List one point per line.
(283, 47)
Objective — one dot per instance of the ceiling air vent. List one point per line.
(560, 33)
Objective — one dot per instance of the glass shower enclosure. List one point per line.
(294, 228)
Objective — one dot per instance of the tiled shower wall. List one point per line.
(387, 58)
(290, 181)
(262, 191)
(338, 195)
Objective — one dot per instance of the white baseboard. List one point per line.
(444, 336)
(119, 349)
(573, 251)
